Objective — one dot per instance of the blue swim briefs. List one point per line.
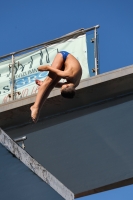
(64, 54)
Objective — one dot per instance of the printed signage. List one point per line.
(25, 68)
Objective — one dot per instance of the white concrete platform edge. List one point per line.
(84, 83)
(33, 165)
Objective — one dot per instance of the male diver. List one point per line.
(65, 66)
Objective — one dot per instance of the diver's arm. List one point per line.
(60, 73)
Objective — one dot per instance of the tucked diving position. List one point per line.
(65, 66)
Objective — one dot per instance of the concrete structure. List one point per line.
(86, 143)
(18, 175)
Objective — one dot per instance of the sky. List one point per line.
(30, 22)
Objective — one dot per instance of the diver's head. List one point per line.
(68, 91)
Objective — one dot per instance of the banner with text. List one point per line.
(25, 68)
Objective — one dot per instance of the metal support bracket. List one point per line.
(14, 93)
(92, 40)
(21, 140)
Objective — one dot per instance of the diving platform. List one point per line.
(86, 142)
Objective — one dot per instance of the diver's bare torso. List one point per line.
(74, 69)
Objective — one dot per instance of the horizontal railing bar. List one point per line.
(68, 36)
(20, 139)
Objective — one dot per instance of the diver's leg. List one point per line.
(42, 94)
(45, 88)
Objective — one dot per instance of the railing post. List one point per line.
(95, 51)
(12, 79)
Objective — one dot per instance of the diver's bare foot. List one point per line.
(39, 82)
(34, 113)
